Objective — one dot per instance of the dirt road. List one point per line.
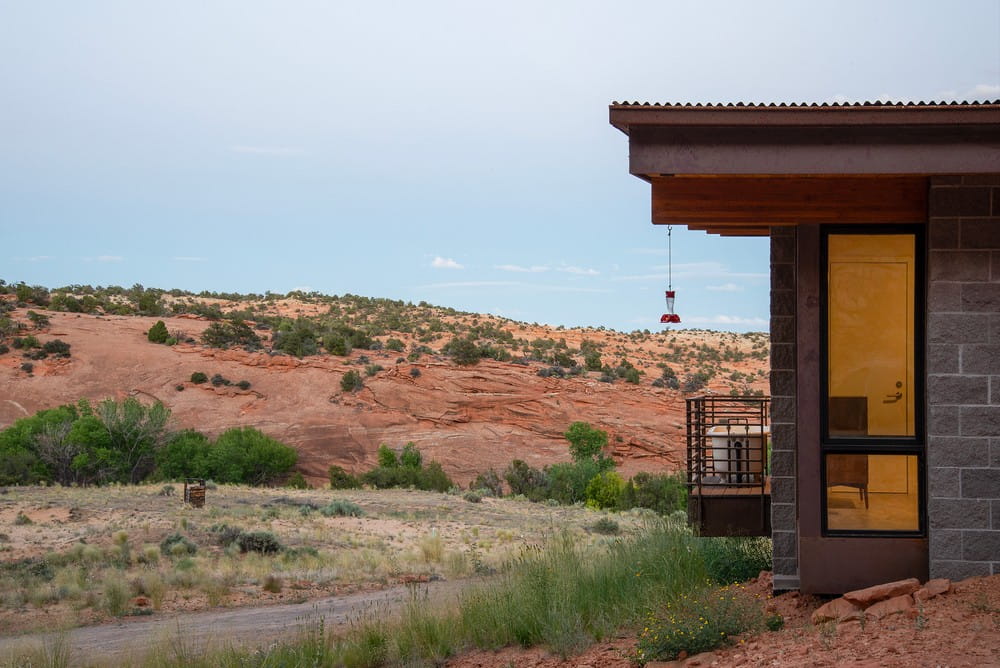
(190, 634)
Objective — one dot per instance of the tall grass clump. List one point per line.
(564, 598)
(733, 559)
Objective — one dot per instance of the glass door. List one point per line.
(872, 453)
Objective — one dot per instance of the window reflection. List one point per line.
(872, 492)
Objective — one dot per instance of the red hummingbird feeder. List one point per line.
(670, 318)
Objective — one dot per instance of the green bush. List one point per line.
(664, 494)
(463, 351)
(592, 361)
(158, 333)
(434, 479)
(585, 442)
(606, 527)
(296, 481)
(262, 542)
(351, 382)
(395, 345)
(731, 559)
(198, 377)
(245, 455)
(341, 479)
(698, 622)
(243, 385)
(341, 508)
(489, 482)
(568, 480)
(525, 480)
(410, 456)
(604, 490)
(185, 455)
(168, 546)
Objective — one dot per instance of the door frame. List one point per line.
(835, 562)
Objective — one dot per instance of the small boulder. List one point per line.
(932, 588)
(834, 610)
(871, 595)
(892, 606)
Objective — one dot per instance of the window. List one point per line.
(872, 435)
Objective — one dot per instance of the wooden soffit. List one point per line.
(751, 205)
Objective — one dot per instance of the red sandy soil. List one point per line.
(959, 629)
(467, 418)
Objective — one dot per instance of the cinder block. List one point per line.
(981, 545)
(995, 266)
(783, 463)
(958, 328)
(958, 513)
(960, 265)
(782, 383)
(782, 302)
(995, 514)
(981, 297)
(782, 489)
(943, 233)
(783, 356)
(782, 329)
(942, 358)
(944, 296)
(783, 407)
(979, 420)
(782, 277)
(785, 543)
(981, 358)
(968, 390)
(786, 568)
(945, 482)
(783, 434)
(980, 483)
(964, 201)
(945, 544)
(958, 451)
(994, 390)
(983, 233)
(958, 570)
(942, 420)
(995, 452)
(783, 516)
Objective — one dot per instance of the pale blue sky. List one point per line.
(454, 152)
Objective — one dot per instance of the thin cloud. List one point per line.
(579, 271)
(189, 258)
(725, 287)
(986, 92)
(508, 284)
(34, 258)
(104, 258)
(267, 150)
(445, 263)
(648, 251)
(516, 268)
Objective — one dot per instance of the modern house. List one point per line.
(884, 418)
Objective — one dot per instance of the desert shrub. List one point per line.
(544, 372)
(225, 535)
(473, 495)
(632, 376)
(592, 361)
(387, 457)
(606, 527)
(25, 342)
(698, 622)
(414, 372)
(568, 480)
(116, 594)
(604, 490)
(22, 520)
(341, 479)
(226, 334)
(27, 367)
(272, 583)
(410, 456)
(4, 349)
(341, 508)
(664, 494)
(245, 455)
(523, 479)
(297, 481)
(433, 478)
(198, 377)
(39, 320)
(607, 377)
(185, 455)
(490, 482)
(219, 380)
(395, 345)
(731, 559)
(351, 382)
(158, 333)
(298, 339)
(56, 347)
(586, 442)
(462, 351)
(262, 542)
(177, 544)
(372, 369)
(243, 385)
(694, 382)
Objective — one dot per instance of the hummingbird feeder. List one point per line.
(670, 318)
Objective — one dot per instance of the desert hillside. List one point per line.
(514, 403)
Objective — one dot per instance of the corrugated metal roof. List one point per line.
(803, 105)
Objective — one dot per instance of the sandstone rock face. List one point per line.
(467, 418)
(836, 610)
(871, 595)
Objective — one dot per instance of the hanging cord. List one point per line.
(670, 260)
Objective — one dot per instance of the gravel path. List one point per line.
(190, 634)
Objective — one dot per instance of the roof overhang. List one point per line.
(738, 170)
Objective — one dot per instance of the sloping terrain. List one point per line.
(469, 418)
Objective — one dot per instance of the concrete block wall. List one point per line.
(784, 523)
(963, 383)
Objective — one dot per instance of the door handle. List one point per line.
(892, 398)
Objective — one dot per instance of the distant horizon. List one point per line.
(289, 295)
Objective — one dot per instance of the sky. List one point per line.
(457, 153)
